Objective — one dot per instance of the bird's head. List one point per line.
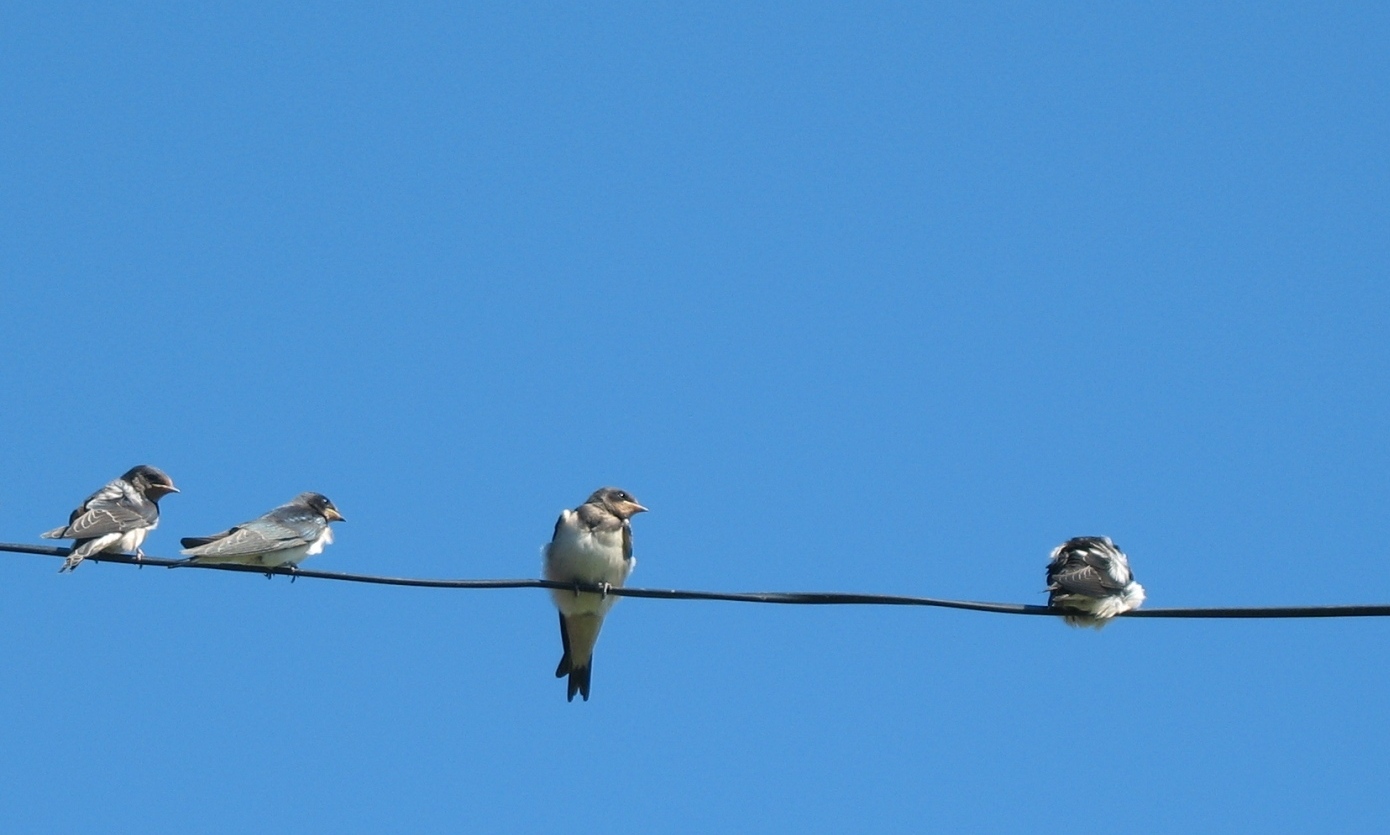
(619, 502)
(320, 504)
(151, 481)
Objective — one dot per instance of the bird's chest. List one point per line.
(297, 554)
(588, 554)
(132, 540)
(321, 541)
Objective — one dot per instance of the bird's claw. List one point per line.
(603, 588)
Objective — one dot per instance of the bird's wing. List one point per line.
(1092, 571)
(195, 541)
(1079, 578)
(115, 508)
(252, 538)
(275, 531)
(1113, 568)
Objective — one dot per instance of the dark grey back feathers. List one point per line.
(1088, 565)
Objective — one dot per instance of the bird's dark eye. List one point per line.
(623, 497)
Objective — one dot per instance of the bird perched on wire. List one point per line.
(283, 536)
(117, 517)
(591, 544)
(1089, 578)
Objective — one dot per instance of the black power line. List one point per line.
(790, 598)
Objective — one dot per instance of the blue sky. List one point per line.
(861, 298)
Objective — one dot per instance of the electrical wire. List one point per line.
(789, 598)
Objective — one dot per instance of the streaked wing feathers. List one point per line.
(195, 541)
(100, 521)
(279, 529)
(246, 541)
(1084, 579)
(1092, 567)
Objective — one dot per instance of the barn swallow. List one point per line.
(1089, 578)
(283, 536)
(591, 544)
(117, 517)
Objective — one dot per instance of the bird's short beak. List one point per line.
(637, 508)
(171, 489)
(334, 515)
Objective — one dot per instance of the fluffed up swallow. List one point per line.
(592, 544)
(1089, 578)
(117, 517)
(283, 536)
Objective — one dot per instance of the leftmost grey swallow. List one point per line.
(117, 517)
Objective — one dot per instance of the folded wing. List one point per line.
(276, 531)
(1092, 566)
(112, 509)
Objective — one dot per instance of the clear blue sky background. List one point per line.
(864, 298)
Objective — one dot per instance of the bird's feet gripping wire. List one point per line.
(603, 589)
(289, 568)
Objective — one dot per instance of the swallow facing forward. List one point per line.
(117, 517)
(592, 544)
(283, 536)
(1089, 577)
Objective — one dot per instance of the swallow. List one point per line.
(1089, 578)
(591, 544)
(117, 517)
(283, 536)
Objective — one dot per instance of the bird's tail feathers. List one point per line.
(56, 533)
(578, 634)
(578, 676)
(1127, 600)
(579, 681)
(78, 554)
(1097, 612)
(564, 668)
